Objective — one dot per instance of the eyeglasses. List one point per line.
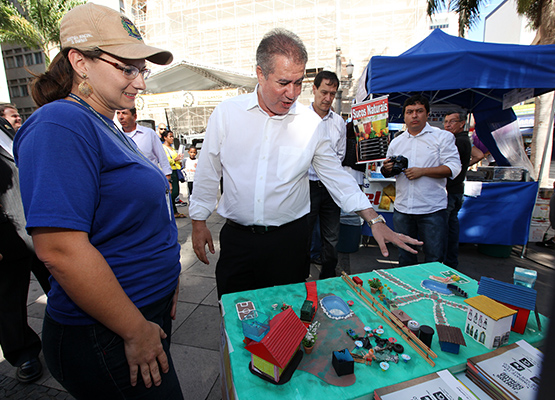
(451, 121)
(129, 71)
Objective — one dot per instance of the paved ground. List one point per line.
(196, 331)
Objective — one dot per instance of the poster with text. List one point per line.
(371, 131)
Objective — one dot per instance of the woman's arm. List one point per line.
(89, 281)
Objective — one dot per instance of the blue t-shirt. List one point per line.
(77, 174)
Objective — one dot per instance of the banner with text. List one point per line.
(371, 131)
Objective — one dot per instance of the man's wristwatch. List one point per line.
(376, 220)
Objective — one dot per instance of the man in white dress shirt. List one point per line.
(322, 205)
(421, 196)
(263, 143)
(145, 138)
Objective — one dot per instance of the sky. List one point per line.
(477, 32)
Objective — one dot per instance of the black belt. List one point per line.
(317, 183)
(258, 229)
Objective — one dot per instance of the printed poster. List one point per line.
(371, 131)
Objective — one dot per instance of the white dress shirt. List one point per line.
(337, 131)
(149, 143)
(264, 162)
(430, 148)
(6, 142)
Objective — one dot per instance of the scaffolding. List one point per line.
(227, 32)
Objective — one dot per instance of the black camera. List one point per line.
(400, 163)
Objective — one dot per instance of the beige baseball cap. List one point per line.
(91, 27)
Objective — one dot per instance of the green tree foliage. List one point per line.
(33, 23)
(468, 11)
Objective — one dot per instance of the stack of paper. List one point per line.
(440, 385)
(509, 373)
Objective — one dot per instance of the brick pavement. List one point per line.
(12, 389)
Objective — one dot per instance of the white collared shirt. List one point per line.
(264, 162)
(337, 131)
(149, 143)
(430, 148)
(6, 142)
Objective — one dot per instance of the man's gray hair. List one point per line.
(279, 42)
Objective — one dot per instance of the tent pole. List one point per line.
(550, 129)
(544, 156)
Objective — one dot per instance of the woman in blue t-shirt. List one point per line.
(100, 216)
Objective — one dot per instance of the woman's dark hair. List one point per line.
(165, 134)
(57, 81)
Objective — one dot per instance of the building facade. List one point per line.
(19, 64)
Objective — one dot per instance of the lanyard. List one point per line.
(115, 130)
(126, 141)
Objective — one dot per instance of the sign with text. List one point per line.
(371, 131)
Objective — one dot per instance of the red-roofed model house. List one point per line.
(273, 353)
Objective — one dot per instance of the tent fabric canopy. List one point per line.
(473, 75)
(445, 62)
(189, 75)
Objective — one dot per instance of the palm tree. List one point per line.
(33, 23)
(541, 14)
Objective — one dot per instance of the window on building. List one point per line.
(14, 91)
(29, 59)
(39, 59)
(19, 61)
(312, 72)
(9, 62)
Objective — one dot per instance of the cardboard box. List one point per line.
(537, 231)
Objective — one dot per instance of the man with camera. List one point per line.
(421, 196)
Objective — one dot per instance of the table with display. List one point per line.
(497, 213)
(421, 304)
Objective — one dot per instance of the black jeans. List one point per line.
(19, 342)
(175, 189)
(89, 360)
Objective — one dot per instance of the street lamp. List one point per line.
(350, 69)
(345, 82)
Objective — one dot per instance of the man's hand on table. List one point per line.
(383, 234)
(201, 237)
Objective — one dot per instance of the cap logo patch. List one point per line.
(130, 28)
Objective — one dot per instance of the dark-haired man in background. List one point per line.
(145, 138)
(421, 197)
(454, 122)
(322, 205)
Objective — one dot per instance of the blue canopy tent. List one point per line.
(450, 70)
(473, 75)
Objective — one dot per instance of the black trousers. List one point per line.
(322, 205)
(19, 342)
(251, 261)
